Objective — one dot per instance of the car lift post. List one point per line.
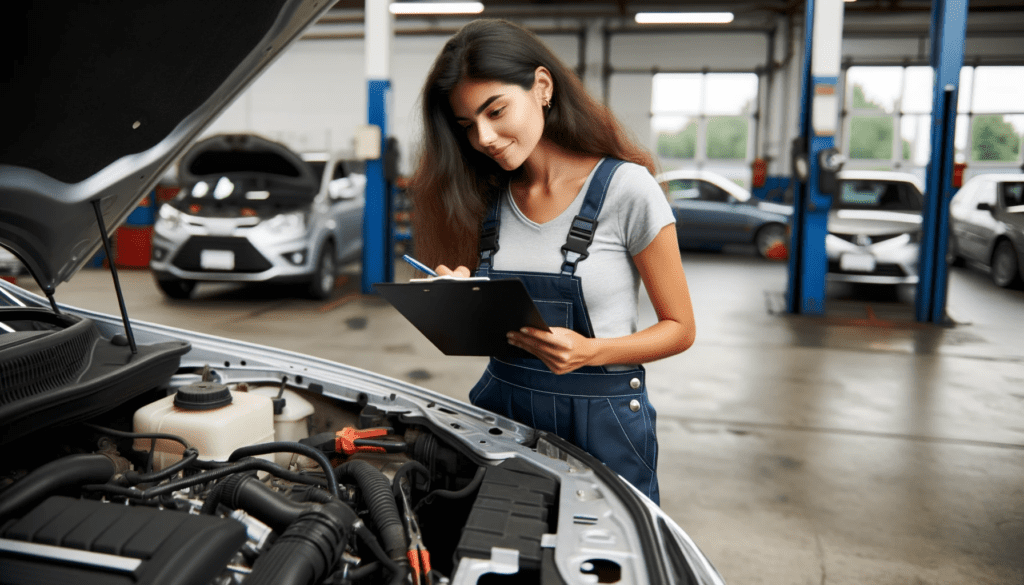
(377, 254)
(948, 30)
(813, 149)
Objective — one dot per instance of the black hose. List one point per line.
(247, 464)
(457, 494)
(399, 571)
(376, 492)
(245, 492)
(130, 435)
(72, 471)
(405, 469)
(308, 549)
(291, 447)
(188, 456)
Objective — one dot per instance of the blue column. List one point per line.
(376, 222)
(949, 28)
(808, 264)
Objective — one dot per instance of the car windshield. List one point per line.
(882, 195)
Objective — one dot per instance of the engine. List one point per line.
(261, 483)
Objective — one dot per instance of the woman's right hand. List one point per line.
(460, 272)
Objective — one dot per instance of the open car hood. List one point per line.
(105, 96)
(245, 155)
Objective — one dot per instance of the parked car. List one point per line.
(712, 211)
(874, 228)
(986, 224)
(251, 210)
(143, 453)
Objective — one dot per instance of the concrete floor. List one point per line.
(858, 447)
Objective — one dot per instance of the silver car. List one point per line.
(986, 224)
(874, 228)
(251, 210)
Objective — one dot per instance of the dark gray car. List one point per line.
(986, 222)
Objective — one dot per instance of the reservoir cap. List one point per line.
(202, 396)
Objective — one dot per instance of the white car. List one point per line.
(251, 210)
(874, 228)
(146, 454)
(986, 226)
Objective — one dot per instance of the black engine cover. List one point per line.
(65, 540)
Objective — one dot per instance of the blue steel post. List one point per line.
(949, 28)
(376, 231)
(808, 264)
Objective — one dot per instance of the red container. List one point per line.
(133, 246)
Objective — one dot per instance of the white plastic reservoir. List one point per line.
(292, 423)
(213, 419)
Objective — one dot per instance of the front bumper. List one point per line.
(894, 262)
(253, 260)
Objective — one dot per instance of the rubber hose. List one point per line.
(187, 457)
(308, 549)
(376, 492)
(249, 494)
(290, 447)
(55, 476)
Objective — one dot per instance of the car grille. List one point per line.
(881, 269)
(247, 258)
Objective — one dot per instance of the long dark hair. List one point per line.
(453, 183)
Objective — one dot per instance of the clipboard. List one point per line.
(466, 316)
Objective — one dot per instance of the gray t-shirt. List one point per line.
(635, 209)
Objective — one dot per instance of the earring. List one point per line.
(547, 105)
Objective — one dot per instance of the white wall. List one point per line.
(314, 96)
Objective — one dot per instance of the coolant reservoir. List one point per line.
(292, 423)
(213, 419)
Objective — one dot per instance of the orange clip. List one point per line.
(347, 437)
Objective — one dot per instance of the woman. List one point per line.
(518, 157)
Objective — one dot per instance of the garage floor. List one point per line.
(859, 447)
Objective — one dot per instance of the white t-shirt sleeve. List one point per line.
(644, 207)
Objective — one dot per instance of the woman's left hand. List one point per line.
(562, 350)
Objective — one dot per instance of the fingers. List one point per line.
(461, 271)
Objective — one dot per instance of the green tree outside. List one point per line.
(993, 138)
(682, 144)
(727, 137)
(871, 136)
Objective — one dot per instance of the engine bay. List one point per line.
(205, 482)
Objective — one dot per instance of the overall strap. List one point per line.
(489, 237)
(581, 231)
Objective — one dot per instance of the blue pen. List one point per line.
(418, 265)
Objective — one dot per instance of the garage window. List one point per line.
(887, 118)
(705, 120)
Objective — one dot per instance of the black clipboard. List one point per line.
(466, 316)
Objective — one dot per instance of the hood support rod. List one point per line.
(113, 273)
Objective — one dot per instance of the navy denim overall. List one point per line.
(604, 412)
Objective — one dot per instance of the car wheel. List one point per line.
(176, 288)
(1004, 265)
(322, 283)
(771, 241)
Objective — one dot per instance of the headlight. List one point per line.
(169, 217)
(285, 223)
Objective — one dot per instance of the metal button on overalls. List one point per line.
(593, 407)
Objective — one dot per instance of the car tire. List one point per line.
(1005, 270)
(176, 288)
(768, 238)
(321, 285)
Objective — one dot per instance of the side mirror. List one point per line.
(985, 207)
(341, 189)
(830, 162)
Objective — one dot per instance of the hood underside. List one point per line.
(103, 97)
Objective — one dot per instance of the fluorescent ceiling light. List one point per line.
(683, 17)
(436, 7)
